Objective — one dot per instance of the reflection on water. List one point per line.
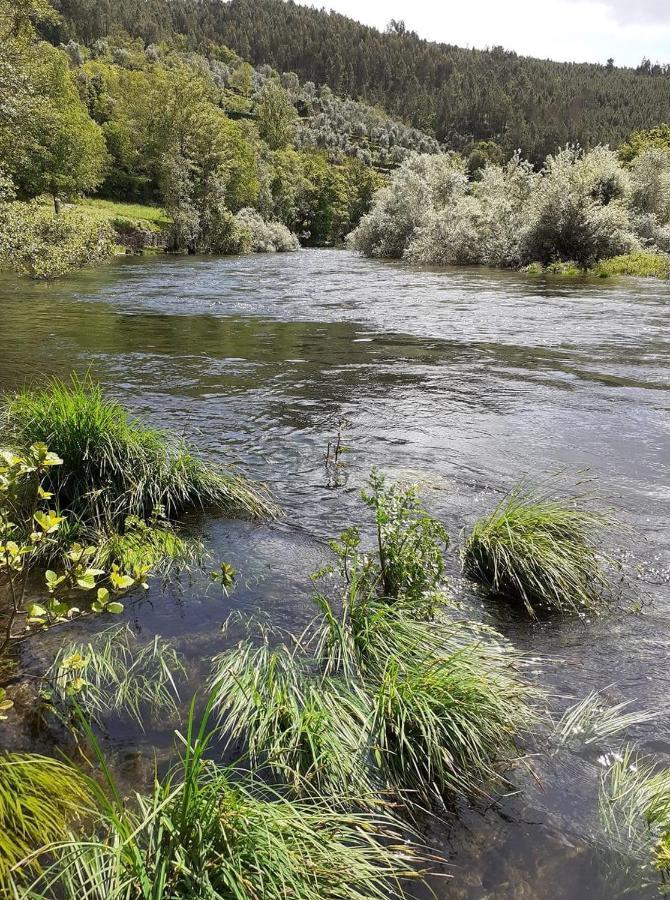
(465, 380)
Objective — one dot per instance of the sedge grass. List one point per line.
(542, 551)
(112, 674)
(309, 731)
(209, 832)
(635, 808)
(114, 466)
(40, 799)
(387, 700)
(593, 720)
(443, 726)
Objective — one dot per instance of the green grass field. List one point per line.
(153, 218)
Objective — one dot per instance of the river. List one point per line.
(464, 380)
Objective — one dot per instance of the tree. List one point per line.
(51, 144)
(276, 115)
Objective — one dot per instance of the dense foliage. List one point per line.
(201, 137)
(461, 96)
(581, 207)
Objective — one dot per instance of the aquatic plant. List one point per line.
(112, 673)
(542, 551)
(114, 466)
(442, 724)
(211, 832)
(385, 690)
(642, 263)
(635, 807)
(309, 731)
(593, 720)
(410, 542)
(155, 544)
(40, 799)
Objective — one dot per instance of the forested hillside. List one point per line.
(460, 96)
(185, 150)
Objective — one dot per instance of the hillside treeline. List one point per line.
(460, 96)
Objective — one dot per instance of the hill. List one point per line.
(460, 96)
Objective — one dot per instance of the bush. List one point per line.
(541, 551)
(113, 466)
(423, 183)
(578, 213)
(265, 237)
(35, 241)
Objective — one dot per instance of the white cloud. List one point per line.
(572, 30)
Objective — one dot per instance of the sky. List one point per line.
(573, 30)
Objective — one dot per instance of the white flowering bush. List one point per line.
(423, 184)
(266, 237)
(579, 210)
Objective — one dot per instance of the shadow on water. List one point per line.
(465, 380)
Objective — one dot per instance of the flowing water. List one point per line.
(462, 380)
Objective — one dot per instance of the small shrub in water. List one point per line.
(114, 466)
(541, 551)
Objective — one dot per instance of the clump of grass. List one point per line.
(569, 269)
(640, 263)
(593, 721)
(206, 831)
(152, 545)
(309, 731)
(111, 673)
(114, 466)
(635, 806)
(40, 799)
(441, 725)
(385, 689)
(542, 551)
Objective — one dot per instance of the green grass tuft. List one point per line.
(442, 725)
(40, 798)
(210, 832)
(111, 673)
(309, 731)
(635, 808)
(641, 263)
(541, 551)
(114, 466)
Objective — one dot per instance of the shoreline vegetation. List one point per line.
(118, 144)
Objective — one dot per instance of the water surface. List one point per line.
(465, 380)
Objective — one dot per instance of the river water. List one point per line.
(464, 380)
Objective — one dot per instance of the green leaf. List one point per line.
(86, 582)
(114, 607)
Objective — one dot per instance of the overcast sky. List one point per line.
(579, 30)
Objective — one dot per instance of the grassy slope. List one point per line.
(153, 218)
